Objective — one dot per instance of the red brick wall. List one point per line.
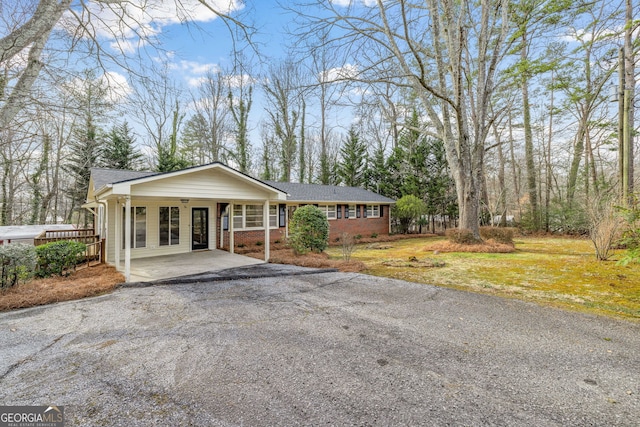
(362, 226)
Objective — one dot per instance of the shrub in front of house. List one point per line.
(59, 258)
(308, 230)
(17, 264)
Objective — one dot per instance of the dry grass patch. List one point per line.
(414, 262)
(86, 282)
(488, 247)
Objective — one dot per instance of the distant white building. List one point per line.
(26, 233)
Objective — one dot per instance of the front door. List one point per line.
(200, 228)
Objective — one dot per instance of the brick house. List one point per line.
(146, 214)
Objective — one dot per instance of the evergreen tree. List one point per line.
(377, 174)
(85, 145)
(119, 149)
(354, 160)
(194, 140)
(85, 151)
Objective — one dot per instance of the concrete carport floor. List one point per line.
(168, 266)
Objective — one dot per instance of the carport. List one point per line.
(168, 266)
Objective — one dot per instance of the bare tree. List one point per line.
(86, 23)
(154, 103)
(284, 110)
(448, 52)
(240, 87)
(212, 108)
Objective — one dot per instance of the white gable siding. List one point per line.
(205, 184)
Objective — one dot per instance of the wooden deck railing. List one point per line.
(95, 246)
(84, 235)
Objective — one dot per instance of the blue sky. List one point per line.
(199, 45)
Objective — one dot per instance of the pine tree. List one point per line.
(354, 160)
(85, 151)
(119, 149)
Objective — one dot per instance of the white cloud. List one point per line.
(117, 86)
(339, 73)
(197, 68)
(196, 81)
(238, 80)
(128, 25)
(347, 3)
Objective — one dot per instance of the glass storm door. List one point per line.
(200, 228)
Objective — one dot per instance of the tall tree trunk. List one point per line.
(514, 168)
(528, 142)
(302, 154)
(547, 198)
(629, 93)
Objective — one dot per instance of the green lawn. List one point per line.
(556, 271)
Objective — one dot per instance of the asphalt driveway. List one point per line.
(319, 349)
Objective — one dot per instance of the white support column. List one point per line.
(118, 234)
(222, 227)
(231, 243)
(127, 239)
(267, 237)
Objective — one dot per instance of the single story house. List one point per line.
(213, 206)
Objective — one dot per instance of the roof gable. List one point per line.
(123, 181)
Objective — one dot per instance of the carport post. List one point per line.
(127, 239)
(118, 233)
(231, 228)
(265, 220)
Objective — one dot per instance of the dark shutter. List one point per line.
(346, 211)
(282, 214)
(381, 211)
(223, 217)
(339, 211)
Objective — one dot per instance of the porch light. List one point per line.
(184, 201)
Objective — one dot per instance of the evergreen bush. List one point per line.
(309, 230)
(59, 258)
(17, 263)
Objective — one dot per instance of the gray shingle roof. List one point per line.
(295, 192)
(102, 177)
(328, 193)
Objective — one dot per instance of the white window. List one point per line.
(373, 211)
(352, 211)
(248, 216)
(328, 210)
(169, 220)
(273, 216)
(253, 216)
(138, 226)
(238, 216)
